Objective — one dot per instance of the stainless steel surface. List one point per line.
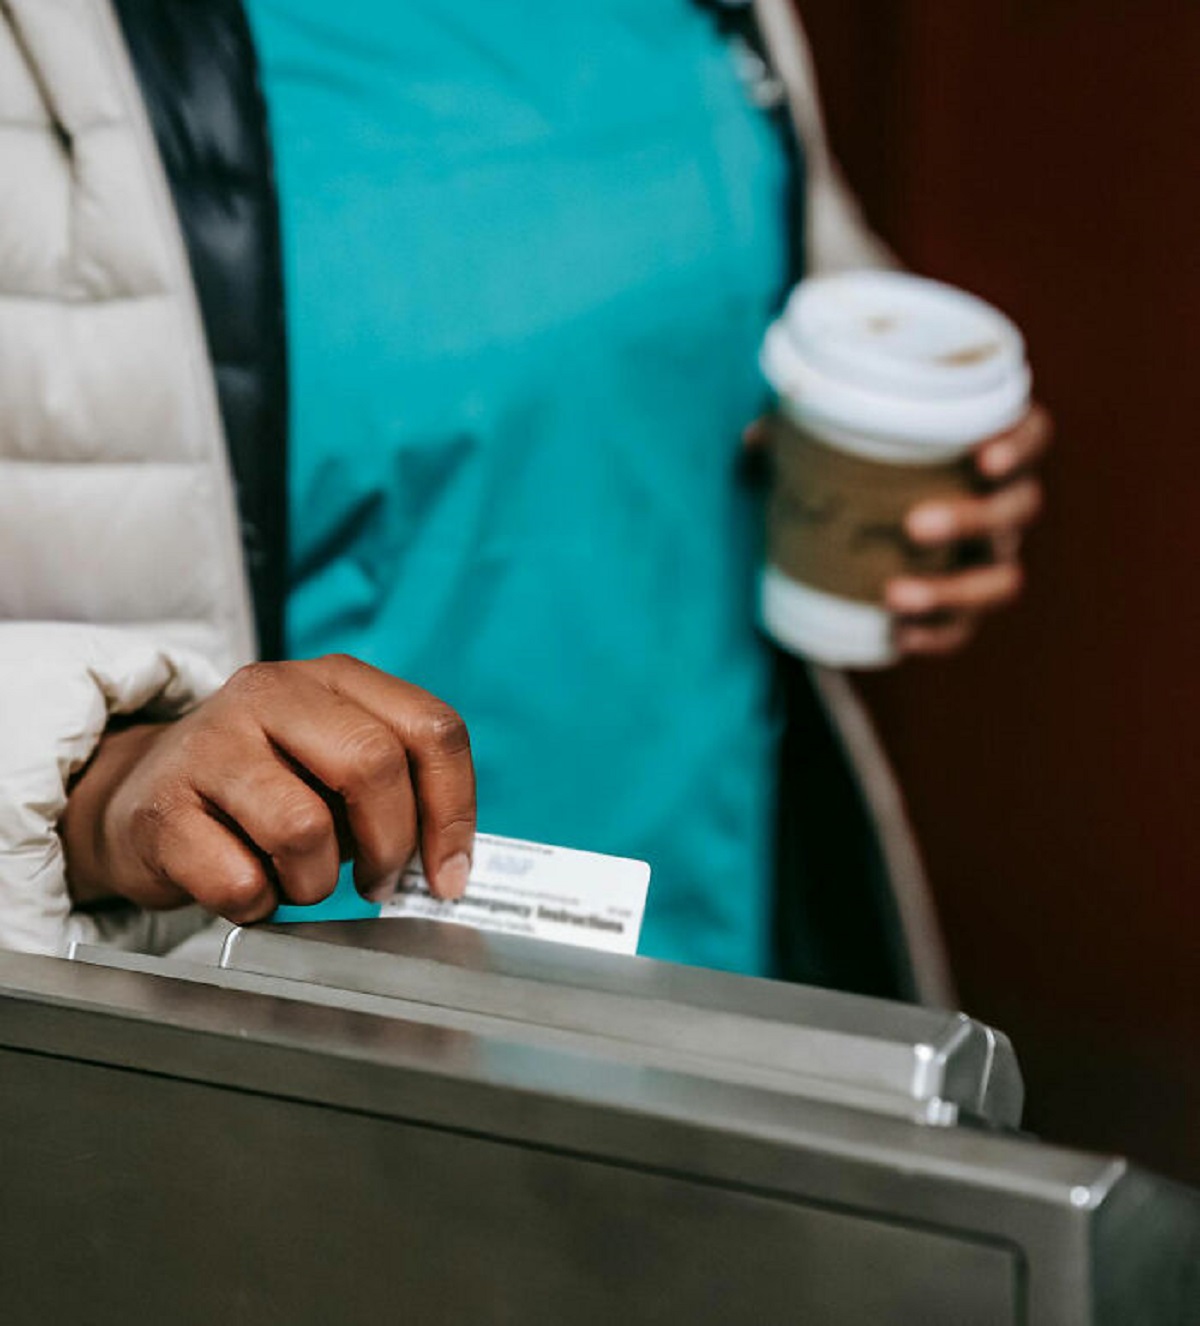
(185, 1152)
(893, 1058)
(611, 1048)
(611, 1043)
(277, 1212)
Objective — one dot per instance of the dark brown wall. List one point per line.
(1047, 155)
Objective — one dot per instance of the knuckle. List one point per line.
(150, 818)
(956, 594)
(445, 730)
(954, 518)
(460, 820)
(301, 825)
(1000, 515)
(942, 595)
(372, 755)
(919, 642)
(253, 680)
(238, 893)
(1034, 500)
(1004, 586)
(974, 516)
(336, 668)
(951, 637)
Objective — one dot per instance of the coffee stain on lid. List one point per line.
(882, 324)
(971, 354)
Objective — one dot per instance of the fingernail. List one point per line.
(385, 890)
(453, 874)
(908, 596)
(931, 522)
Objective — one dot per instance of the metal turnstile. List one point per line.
(362, 1121)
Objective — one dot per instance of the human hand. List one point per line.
(256, 796)
(940, 614)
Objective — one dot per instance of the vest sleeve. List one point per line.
(60, 684)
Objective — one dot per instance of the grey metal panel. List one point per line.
(1043, 1204)
(870, 1053)
(274, 1211)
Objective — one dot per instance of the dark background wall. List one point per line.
(1046, 153)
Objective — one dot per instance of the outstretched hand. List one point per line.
(255, 797)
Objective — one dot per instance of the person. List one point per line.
(481, 470)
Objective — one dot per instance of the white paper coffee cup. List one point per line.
(882, 378)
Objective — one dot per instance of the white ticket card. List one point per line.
(554, 893)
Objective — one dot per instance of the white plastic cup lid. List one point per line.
(898, 358)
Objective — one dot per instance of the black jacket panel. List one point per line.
(836, 921)
(198, 73)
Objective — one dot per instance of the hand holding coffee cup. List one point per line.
(887, 386)
(940, 614)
